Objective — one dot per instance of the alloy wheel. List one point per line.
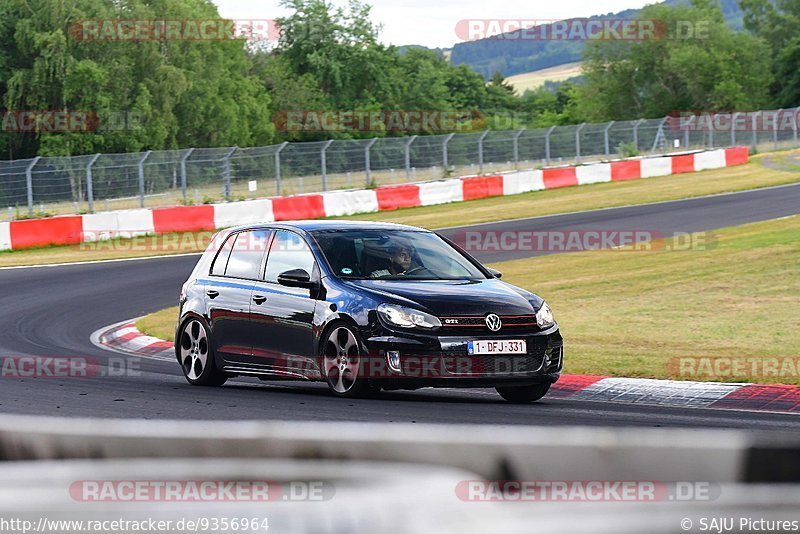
(194, 349)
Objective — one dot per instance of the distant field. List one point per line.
(532, 80)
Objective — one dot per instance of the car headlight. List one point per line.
(407, 317)
(544, 317)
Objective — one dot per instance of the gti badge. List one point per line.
(493, 322)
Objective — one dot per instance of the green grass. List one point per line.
(586, 197)
(631, 312)
(160, 324)
(628, 313)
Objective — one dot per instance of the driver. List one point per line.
(400, 256)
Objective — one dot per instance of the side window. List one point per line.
(288, 252)
(221, 261)
(246, 255)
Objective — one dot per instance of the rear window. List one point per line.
(246, 254)
(221, 261)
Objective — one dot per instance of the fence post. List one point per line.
(578, 141)
(323, 158)
(794, 124)
(659, 135)
(29, 183)
(480, 151)
(753, 127)
(711, 134)
(547, 144)
(89, 185)
(407, 159)
(226, 173)
(183, 172)
(686, 132)
(636, 134)
(605, 137)
(141, 177)
(733, 128)
(775, 129)
(516, 148)
(444, 151)
(366, 159)
(278, 167)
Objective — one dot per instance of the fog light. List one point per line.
(393, 358)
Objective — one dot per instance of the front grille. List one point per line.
(455, 362)
(492, 365)
(468, 325)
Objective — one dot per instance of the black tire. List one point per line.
(342, 360)
(196, 355)
(524, 394)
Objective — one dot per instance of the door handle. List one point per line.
(259, 299)
(213, 294)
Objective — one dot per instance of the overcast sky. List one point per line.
(432, 23)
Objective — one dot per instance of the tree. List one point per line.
(714, 68)
(778, 23)
(170, 93)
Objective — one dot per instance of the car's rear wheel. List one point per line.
(522, 394)
(342, 363)
(197, 357)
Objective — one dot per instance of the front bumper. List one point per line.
(442, 361)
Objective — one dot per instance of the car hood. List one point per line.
(453, 297)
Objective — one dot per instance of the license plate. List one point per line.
(500, 346)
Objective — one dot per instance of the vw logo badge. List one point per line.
(493, 322)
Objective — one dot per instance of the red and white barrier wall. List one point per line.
(73, 229)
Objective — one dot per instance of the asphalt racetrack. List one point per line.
(52, 311)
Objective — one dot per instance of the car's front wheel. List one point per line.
(343, 363)
(522, 394)
(197, 357)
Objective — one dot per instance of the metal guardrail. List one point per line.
(385, 477)
(491, 452)
(77, 184)
(392, 477)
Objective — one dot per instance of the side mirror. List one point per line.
(494, 272)
(296, 278)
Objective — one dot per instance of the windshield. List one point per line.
(394, 254)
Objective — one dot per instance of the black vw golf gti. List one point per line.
(363, 307)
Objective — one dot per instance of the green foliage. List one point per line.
(180, 92)
(718, 69)
(517, 56)
(627, 150)
(778, 22)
